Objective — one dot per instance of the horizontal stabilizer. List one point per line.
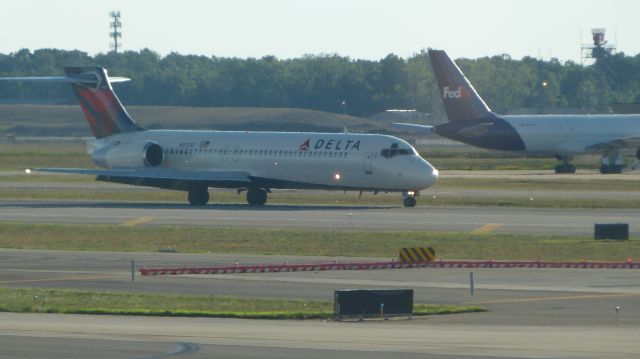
(475, 130)
(412, 127)
(64, 79)
(102, 108)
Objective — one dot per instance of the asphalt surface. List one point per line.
(502, 220)
(537, 297)
(143, 337)
(534, 313)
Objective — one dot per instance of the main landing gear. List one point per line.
(198, 196)
(612, 162)
(566, 166)
(409, 199)
(256, 196)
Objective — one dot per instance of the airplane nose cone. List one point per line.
(425, 175)
(431, 175)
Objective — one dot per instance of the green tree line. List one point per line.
(323, 82)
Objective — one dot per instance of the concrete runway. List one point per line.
(533, 313)
(548, 297)
(64, 336)
(503, 220)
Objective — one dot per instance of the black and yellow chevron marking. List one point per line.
(419, 254)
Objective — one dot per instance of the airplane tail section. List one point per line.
(104, 112)
(460, 99)
(102, 108)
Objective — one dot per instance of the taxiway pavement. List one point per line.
(545, 221)
(144, 337)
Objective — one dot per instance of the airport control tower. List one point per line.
(599, 49)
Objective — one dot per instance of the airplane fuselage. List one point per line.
(279, 159)
(544, 135)
(572, 134)
(471, 121)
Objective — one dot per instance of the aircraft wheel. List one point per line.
(565, 168)
(198, 196)
(409, 202)
(256, 196)
(608, 169)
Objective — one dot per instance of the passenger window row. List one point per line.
(253, 153)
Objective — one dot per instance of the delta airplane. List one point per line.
(563, 136)
(255, 162)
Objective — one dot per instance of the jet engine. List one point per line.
(129, 155)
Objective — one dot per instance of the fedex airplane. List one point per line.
(472, 122)
(255, 162)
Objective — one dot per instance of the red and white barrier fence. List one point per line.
(285, 267)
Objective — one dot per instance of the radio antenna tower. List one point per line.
(116, 32)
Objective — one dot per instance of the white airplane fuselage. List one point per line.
(571, 134)
(278, 159)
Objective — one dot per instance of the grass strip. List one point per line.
(310, 242)
(450, 198)
(447, 180)
(169, 305)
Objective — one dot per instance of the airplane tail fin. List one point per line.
(460, 99)
(102, 109)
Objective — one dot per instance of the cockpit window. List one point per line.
(394, 150)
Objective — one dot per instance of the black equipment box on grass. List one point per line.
(618, 231)
(363, 303)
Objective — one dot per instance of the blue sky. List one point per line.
(361, 29)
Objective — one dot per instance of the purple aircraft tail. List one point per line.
(460, 99)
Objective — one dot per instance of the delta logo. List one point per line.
(460, 92)
(330, 145)
(304, 146)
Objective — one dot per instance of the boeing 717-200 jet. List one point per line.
(255, 162)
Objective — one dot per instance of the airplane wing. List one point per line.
(159, 173)
(619, 143)
(412, 127)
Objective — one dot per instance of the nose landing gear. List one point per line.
(409, 198)
(409, 201)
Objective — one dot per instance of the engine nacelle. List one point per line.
(129, 155)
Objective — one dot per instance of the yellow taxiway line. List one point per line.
(136, 221)
(487, 228)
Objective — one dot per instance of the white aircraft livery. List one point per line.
(471, 121)
(257, 162)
